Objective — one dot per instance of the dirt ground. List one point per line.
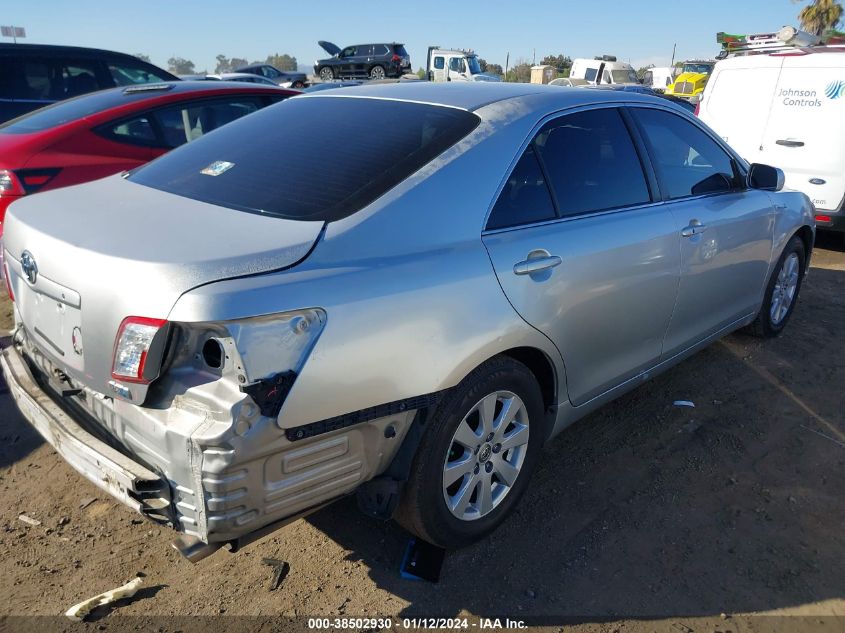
(643, 517)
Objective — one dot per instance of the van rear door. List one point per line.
(738, 100)
(806, 127)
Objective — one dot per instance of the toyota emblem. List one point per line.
(29, 267)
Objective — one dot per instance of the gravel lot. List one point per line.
(642, 517)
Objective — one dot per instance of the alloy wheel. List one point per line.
(326, 74)
(485, 455)
(785, 288)
(377, 72)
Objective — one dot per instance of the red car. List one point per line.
(106, 132)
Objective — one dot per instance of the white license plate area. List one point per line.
(52, 324)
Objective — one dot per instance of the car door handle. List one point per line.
(695, 228)
(789, 143)
(536, 264)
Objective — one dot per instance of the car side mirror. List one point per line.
(765, 177)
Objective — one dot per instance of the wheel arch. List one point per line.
(808, 238)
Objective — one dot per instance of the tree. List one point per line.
(146, 58)
(282, 62)
(562, 63)
(820, 16)
(520, 72)
(495, 69)
(421, 73)
(180, 66)
(642, 71)
(226, 65)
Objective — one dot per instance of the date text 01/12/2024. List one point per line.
(414, 623)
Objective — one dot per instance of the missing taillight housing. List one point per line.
(138, 349)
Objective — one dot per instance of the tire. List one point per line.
(326, 73)
(424, 509)
(377, 72)
(781, 291)
(298, 85)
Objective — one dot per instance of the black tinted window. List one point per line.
(439, 63)
(591, 74)
(285, 161)
(52, 79)
(525, 197)
(137, 131)
(688, 161)
(591, 162)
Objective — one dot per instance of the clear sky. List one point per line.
(640, 32)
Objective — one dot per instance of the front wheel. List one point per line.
(476, 456)
(326, 73)
(782, 291)
(377, 72)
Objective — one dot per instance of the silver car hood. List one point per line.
(125, 249)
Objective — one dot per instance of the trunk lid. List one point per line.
(331, 49)
(83, 258)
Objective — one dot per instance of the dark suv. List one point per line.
(35, 75)
(367, 61)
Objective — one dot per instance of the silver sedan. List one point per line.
(407, 303)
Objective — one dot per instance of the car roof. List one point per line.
(62, 50)
(475, 95)
(104, 102)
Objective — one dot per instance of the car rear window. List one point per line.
(309, 158)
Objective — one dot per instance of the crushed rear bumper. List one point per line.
(131, 483)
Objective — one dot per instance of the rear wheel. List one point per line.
(476, 456)
(377, 72)
(326, 73)
(298, 85)
(782, 291)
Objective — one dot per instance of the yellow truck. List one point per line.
(690, 83)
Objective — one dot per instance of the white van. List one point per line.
(658, 78)
(786, 108)
(603, 70)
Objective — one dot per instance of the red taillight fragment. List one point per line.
(396, 58)
(10, 185)
(135, 338)
(822, 218)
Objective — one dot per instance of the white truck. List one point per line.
(659, 78)
(603, 70)
(454, 64)
(784, 105)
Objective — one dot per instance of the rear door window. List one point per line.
(591, 74)
(688, 162)
(591, 162)
(136, 131)
(53, 79)
(525, 197)
(284, 161)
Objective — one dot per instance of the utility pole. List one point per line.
(674, 46)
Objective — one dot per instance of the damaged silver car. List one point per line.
(406, 304)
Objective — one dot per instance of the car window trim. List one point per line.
(538, 127)
(737, 163)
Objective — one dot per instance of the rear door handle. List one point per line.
(537, 261)
(789, 143)
(695, 228)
